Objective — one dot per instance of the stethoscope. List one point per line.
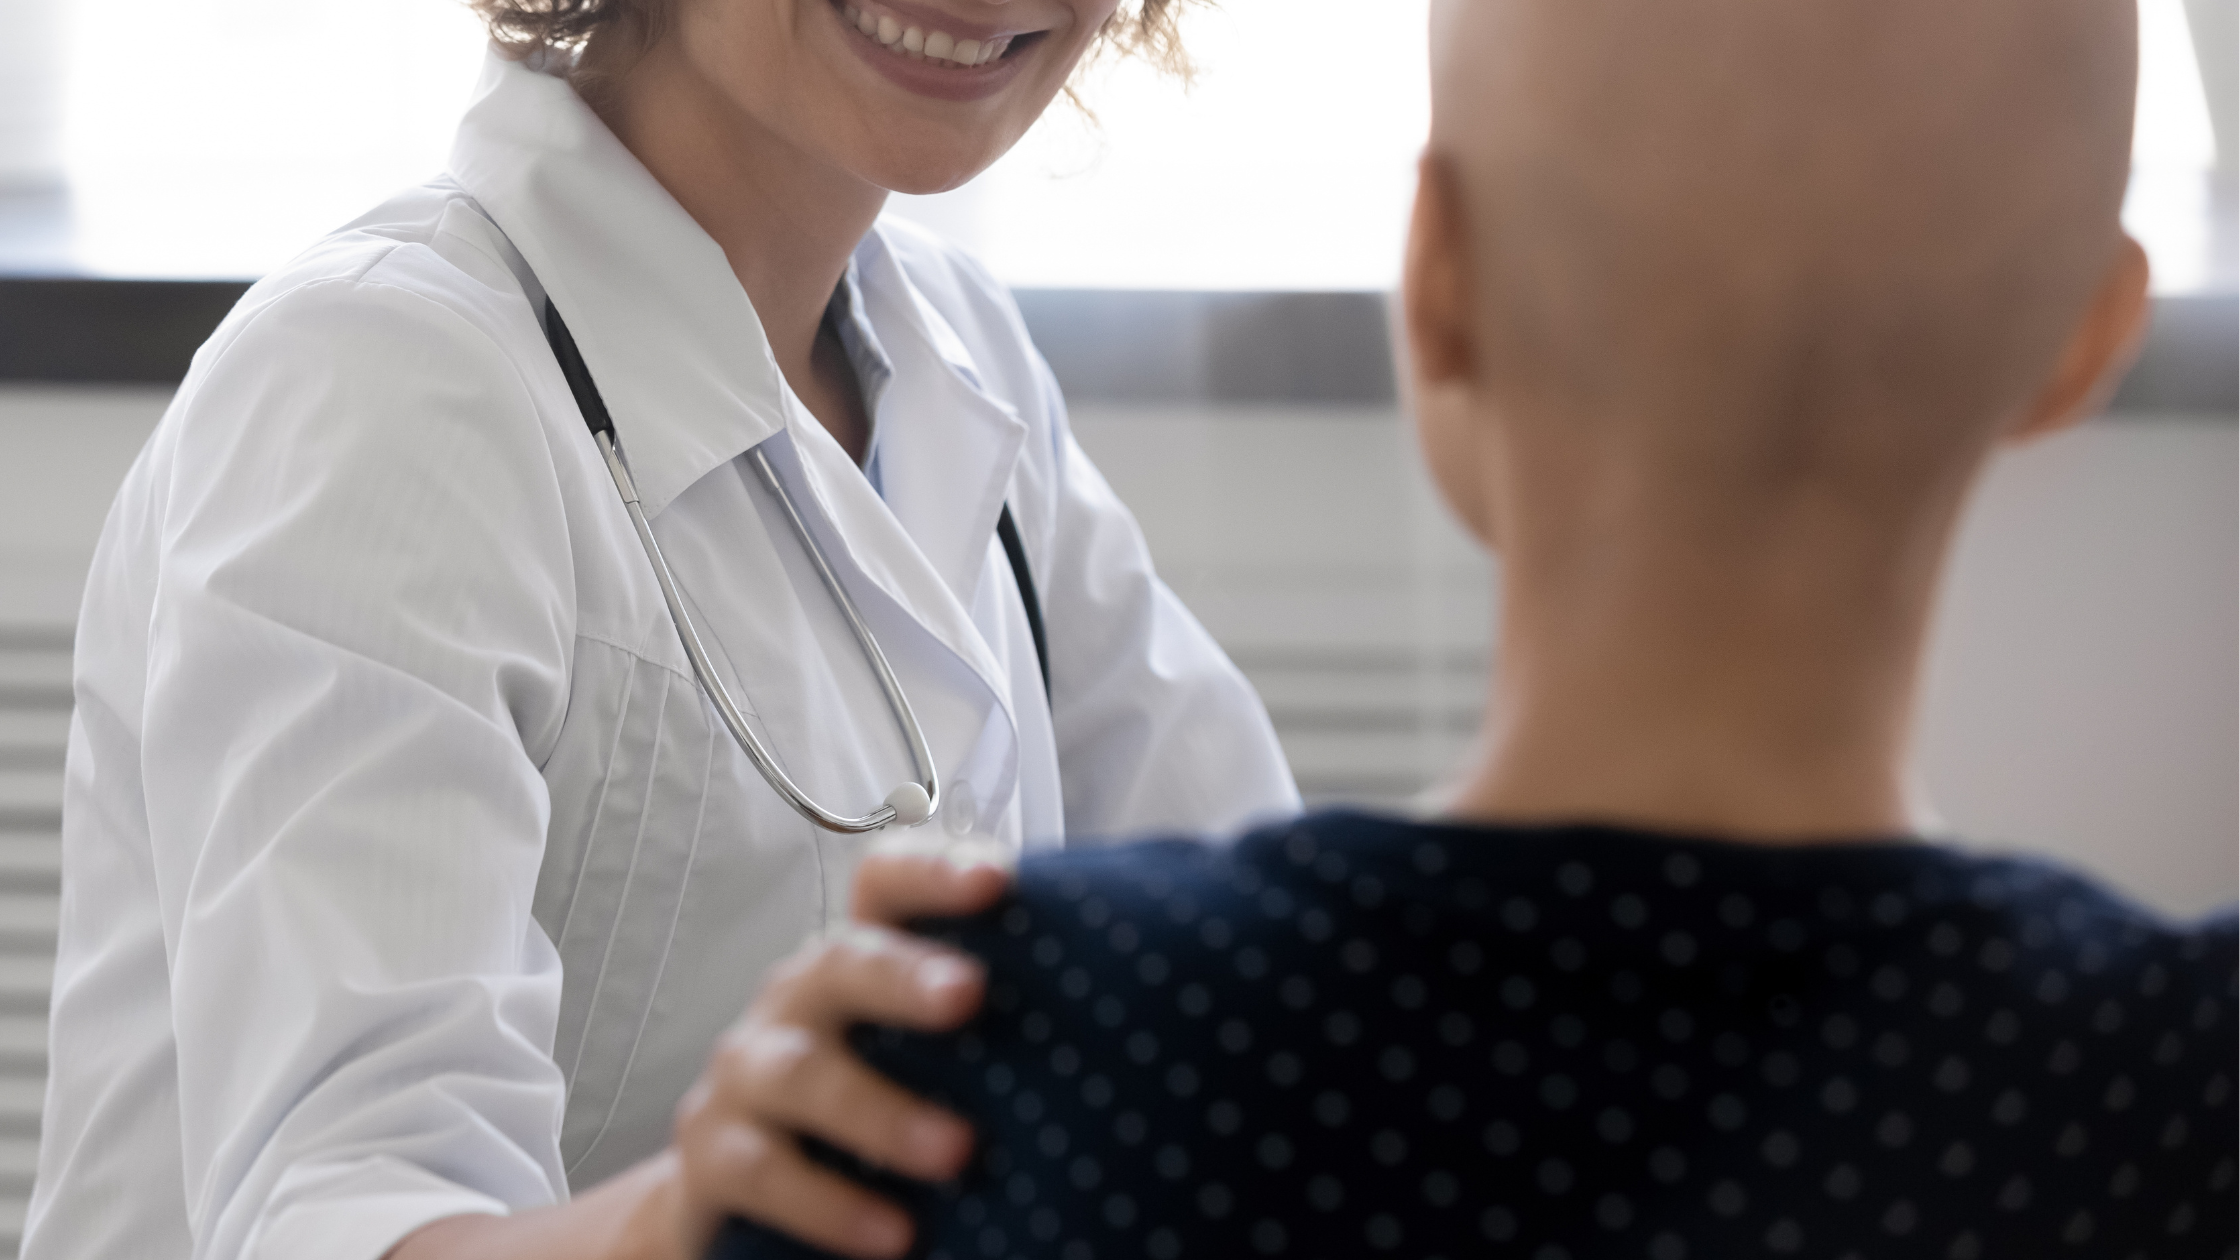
(911, 803)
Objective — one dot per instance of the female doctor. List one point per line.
(411, 876)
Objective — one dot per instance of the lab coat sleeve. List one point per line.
(358, 645)
(1156, 728)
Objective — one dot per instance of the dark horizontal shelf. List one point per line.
(107, 331)
(1127, 345)
(1113, 346)
(2191, 359)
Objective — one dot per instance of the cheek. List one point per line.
(757, 54)
(1091, 15)
(741, 48)
(1074, 43)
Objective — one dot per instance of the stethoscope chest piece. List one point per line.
(911, 804)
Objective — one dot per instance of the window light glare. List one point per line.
(238, 131)
(2172, 128)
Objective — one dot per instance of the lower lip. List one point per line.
(927, 77)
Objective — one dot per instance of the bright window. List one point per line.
(1288, 166)
(224, 135)
(2173, 150)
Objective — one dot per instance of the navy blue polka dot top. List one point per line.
(1352, 1036)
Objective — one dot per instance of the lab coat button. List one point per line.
(962, 810)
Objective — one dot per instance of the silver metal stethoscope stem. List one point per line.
(909, 804)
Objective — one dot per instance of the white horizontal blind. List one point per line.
(1367, 726)
(34, 725)
(1310, 543)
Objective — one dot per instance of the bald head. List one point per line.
(1773, 232)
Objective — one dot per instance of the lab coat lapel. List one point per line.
(946, 454)
(946, 449)
(687, 373)
(677, 350)
(858, 525)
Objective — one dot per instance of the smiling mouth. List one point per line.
(920, 43)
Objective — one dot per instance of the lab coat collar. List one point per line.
(688, 376)
(946, 447)
(942, 454)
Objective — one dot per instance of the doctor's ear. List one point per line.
(2101, 349)
(1436, 282)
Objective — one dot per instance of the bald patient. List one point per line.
(1717, 310)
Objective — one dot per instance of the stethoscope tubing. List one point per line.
(719, 695)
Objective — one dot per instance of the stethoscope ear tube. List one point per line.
(910, 803)
(909, 809)
(912, 807)
(588, 401)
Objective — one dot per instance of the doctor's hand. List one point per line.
(785, 1070)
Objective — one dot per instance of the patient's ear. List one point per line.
(2099, 352)
(1438, 363)
(1436, 281)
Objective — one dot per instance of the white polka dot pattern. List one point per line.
(1355, 1037)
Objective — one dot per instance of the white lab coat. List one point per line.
(406, 872)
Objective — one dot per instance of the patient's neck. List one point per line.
(1675, 665)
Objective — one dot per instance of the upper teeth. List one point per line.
(919, 43)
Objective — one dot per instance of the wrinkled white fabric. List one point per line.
(406, 871)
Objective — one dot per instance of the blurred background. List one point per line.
(1206, 271)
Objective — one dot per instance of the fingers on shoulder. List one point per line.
(912, 877)
(867, 973)
(762, 1175)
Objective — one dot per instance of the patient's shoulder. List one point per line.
(1229, 907)
(1328, 889)
(1567, 954)
(1350, 1029)
(1638, 897)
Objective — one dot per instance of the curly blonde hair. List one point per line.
(1150, 29)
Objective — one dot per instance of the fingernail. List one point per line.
(930, 1138)
(969, 857)
(937, 976)
(882, 1233)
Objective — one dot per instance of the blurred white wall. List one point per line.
(2215, 27)
(2084, 679)
(30, 95)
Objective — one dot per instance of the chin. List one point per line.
(928, 169)
(925, 182)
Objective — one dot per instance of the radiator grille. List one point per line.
(34, 728)
(1368, 726)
